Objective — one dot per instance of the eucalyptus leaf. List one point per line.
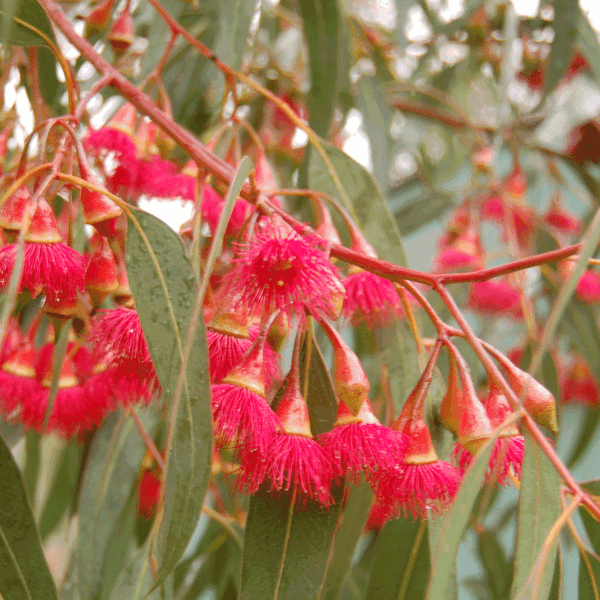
(28, 11)
(286, 549)
(24, 574)
(539, 508)
(353, 519)
(588, 40)
(164, 288)
(322, 23)
(448, 540)
(565, 24)
(401, 563)
(364, 200)
(112, 470)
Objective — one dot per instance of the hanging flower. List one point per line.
(280, 270)
(360, 443)
(49, 267)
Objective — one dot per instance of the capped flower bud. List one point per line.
(122, 33)
(350, 380)
(538, 401)
(98, 210)
(449, 409)
(474, 428)
(98, 19)
(101, 272)
(13, 213)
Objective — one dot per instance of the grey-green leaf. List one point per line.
(322, 21)
(30, 12)
(351, 526)
(539, 508)
(286, 549)
(113, 467)
(164, 288)
(566, 19)
(24, 574)
(401, 563)
(365, 200)
(450, 536)
(588, 40)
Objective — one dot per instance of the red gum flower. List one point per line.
(294, 461)
(361, 443)
(507, 455)
(280, 270)
(459, 252)
(560, 219)
(588, 287)
(497, 297)
(49, 266)
(421, 481)
(579, 385)
(17, 379)
(370, 299)
(241, 413)
(229, 336)
(73, 411)
(112, 140)
(119, 338)
(148, 494)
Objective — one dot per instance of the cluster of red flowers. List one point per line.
(270, 278)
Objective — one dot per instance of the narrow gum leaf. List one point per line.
(24, 573)
(539, 508)
(164, 289)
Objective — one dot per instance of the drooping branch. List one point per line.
(144, 103)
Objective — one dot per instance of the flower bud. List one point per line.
(98, 19)
(122, 33)
(101, 273)
(350, 380)
(13, 213)
(537, 400)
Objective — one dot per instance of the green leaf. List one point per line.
(377, 117)
(556, 588)
(135, 578)
(587, 435)
(235, 17)
(112, 470)
(353, 519)
(436, 528)
(322, 22)
(401, 563)
(164, 288)
(286, 549)
(32, 464)
(365, 201)
(565, 23)
(63, 488)
(498, 569)
(320, 396)
(418, 213)
(24, 574)
(588, 40)
(448, 540)
(539, 508)
(589, 577)
(30, 12)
